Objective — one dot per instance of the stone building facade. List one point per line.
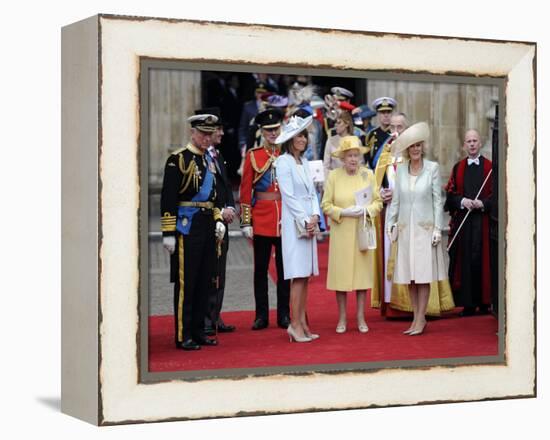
(449, 109)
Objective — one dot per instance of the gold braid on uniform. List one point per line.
(260, 171)
(370, 144)
(168, 222)
(189, 174)
(217, 214)
(246, 215)
(181, 292)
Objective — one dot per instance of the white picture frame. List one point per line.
(100, 367)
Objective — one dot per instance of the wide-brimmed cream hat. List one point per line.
(349, 143)
(294, 126)
(419, 132)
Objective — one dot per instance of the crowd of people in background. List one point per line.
(377, 185)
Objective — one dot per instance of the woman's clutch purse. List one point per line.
(302, 231)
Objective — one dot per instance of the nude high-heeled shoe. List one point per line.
(410, 329)
(420, 331)
(293, 336)
(308, 333)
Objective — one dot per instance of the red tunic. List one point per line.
(259, 176)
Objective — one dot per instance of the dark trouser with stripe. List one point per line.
(196, 270)
(262, 254)
(215, 302)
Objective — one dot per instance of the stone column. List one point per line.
(173, 97)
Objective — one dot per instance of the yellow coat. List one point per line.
(348, 267)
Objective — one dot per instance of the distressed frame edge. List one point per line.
(134, 18)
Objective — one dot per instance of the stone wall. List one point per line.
(173, 96)
(449, 109)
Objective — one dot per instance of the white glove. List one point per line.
(220, 230)
(169, 243)
(436, 237)
(248, 232)
(353, 211)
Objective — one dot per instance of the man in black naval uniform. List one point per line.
(191, 222)
(378, 136)
(213, 321)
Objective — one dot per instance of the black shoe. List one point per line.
(206, 341)
(224, 328)
(209, 331)
(259, 324)
(484, 310)
(188, 344)
(467, 311)
(283, 322)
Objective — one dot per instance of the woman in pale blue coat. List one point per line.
(299, 222)
(415, 220)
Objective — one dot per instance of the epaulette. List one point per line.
(260, 171)
(259, 147)
(179, 150)
(372, 129)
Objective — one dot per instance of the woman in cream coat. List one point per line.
(415, 220)
(348, 267)
(300, 209)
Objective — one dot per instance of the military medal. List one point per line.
(212, 167)
(196, 175)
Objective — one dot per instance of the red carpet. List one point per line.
(444, 338)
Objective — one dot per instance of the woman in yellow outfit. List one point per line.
(348, 267)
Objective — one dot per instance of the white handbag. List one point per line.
(366, 233)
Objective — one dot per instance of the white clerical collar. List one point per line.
(474, 160)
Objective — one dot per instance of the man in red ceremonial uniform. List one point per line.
(470, 268)
(260, 218)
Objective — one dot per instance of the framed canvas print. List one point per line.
(157, 328)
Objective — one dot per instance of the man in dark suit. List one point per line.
(222, 92)
(213, 319)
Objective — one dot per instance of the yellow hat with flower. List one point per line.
(349, 143)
